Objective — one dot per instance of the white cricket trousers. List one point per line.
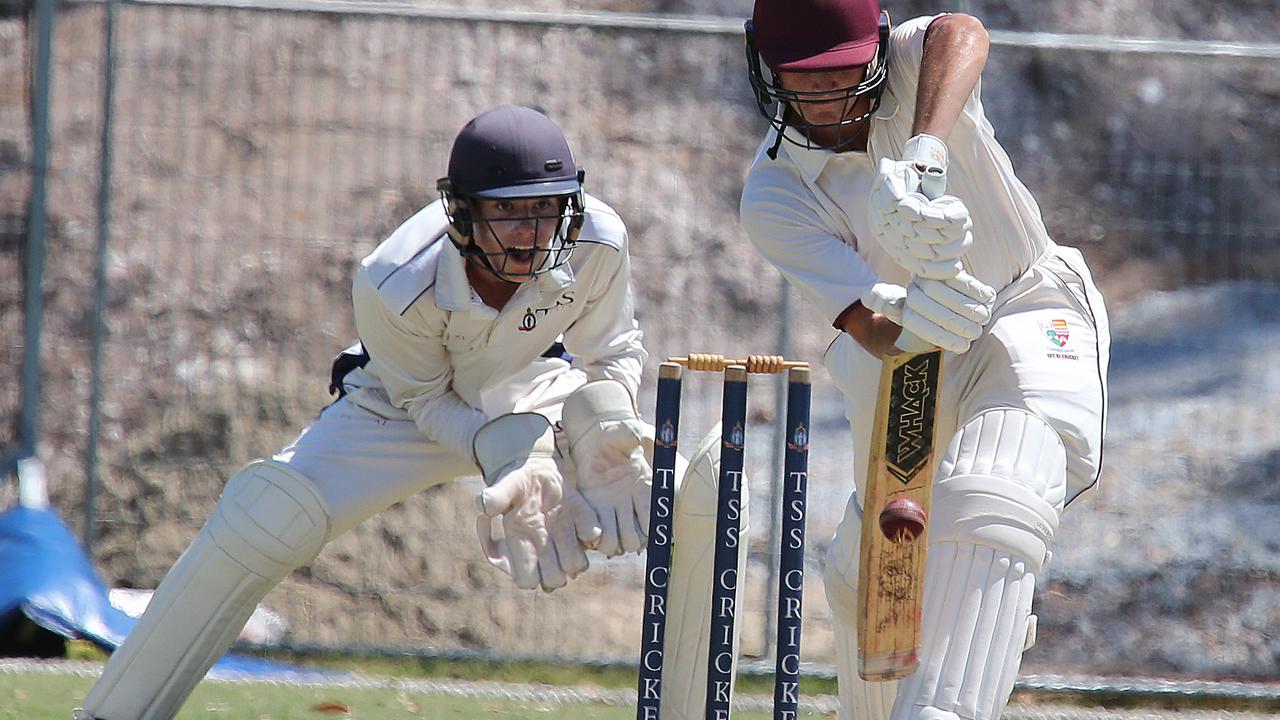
(364, 455)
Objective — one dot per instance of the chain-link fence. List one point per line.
(257, 154)
(23, 149)
(14, 191)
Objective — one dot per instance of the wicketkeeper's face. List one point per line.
(516, 234)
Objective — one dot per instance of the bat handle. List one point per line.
(933, 185)
(933, 182)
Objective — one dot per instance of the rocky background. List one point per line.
(257, 155)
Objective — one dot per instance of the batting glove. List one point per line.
(925, 236)
(947, 314)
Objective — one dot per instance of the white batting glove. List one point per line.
(525, 491)
(947, 314)
(927, 237)
(606, 442)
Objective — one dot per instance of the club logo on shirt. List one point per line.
(529, 321)
(1058, 333)
(531, 315)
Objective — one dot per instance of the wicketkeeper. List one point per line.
(456, 311)
(860, 113)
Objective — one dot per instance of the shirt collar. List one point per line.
(454, 291)
(556, 279)
(812, 161)
(809, 161)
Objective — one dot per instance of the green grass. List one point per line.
(408, 666)
(38, 695)
(48, 697)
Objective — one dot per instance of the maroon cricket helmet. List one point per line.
(810, 35)
(816, 36)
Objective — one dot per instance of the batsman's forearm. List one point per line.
(955, 52)
(873, 331)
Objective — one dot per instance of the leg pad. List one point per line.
(269, 520)
(996, 506)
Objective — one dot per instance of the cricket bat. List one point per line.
(895, 516)
(895, 511)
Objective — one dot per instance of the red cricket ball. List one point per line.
(902, 520)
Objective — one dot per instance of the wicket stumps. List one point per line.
(728, 532)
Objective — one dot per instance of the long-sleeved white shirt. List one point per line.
(806, 210)
(435, 347)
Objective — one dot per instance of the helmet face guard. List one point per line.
(785, 108)
(513, 260)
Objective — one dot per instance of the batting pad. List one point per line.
(996, 506)
(269, 520)
(688, 633)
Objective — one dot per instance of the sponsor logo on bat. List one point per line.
(912, 404)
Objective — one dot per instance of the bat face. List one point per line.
(910, 416)
(900, 475)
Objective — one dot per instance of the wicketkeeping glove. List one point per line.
(573, 527)
(527, 490)
(606, 441)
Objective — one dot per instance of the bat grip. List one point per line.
(933, 182)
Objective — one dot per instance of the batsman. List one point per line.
(498, 338)
(881, 194)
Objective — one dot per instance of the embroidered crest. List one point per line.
(1057, 332)
(529, 321)
(531, 314)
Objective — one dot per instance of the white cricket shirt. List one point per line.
(806, 211)
(434, 345)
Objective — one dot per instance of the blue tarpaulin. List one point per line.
(47, 578)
